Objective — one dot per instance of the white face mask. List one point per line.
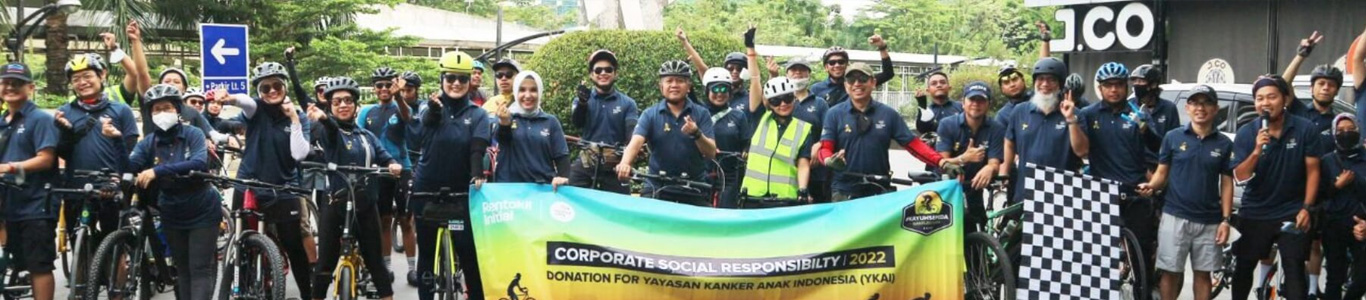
(801, 84)
(165, 120)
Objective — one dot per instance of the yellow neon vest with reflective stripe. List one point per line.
(771, 168)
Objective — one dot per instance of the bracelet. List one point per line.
(14, 168)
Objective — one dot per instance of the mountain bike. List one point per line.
(446, 275)
(253, 267)
(131, 261)
(76, 248)
(680, 189)
(349, 264)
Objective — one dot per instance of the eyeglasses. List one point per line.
(720, 89)
(84, 77)
(318, 91)
(601, 70)
(195, 102)
(780, 100)
(456, 78)
(343, 99)
(503, 75)
(1010, 77)
(837, 62)
(857, 77)
(383, 85)
(268, 88)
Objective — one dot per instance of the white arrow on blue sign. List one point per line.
(223, 54)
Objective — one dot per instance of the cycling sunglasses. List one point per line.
(858, 77)
(456, 78)
(601, 70)
(268, 88)
(720, 89)
(503, 75)
(837, 62)
(383, 85)
(780, 100)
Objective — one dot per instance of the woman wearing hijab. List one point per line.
(1342, 188)
(532, 145)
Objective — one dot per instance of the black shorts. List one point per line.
(283, 210)
(1258, 236)
(33, 244)
(392, 194)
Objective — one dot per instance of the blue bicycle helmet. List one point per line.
(1112, 71)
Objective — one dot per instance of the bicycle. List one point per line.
(599, 157)
(766, 201)
(98, 186)
(679, 186)
(446, 275)
(138, 241)
(349, 264)
(14, 284)
(523, 294)
(253, 267)
(1223, 277)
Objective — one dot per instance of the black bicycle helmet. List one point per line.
(1074, 84)
(412, 78)
(675, 68)
(736, 58)
(1147, 72)
(383, 73)
(161, 92)
(1049, 66)
(341, 84)
(1328, 72)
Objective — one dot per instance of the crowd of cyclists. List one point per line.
(785, 141)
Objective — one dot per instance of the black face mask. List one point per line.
(1141, 91)
(1349, 142)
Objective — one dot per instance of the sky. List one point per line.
(850, 8)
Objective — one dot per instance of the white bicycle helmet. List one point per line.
(715, 75)
(779, 86)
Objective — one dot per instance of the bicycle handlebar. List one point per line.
(368, 171)
(914, 178)
(680, 181)
(251, 183)
(591, 144)
(444, 193)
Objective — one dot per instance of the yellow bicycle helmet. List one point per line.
(457, 62)
(88, 61)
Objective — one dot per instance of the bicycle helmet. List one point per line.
(267, 70)
(508, 63)
(412, 78)
(321, 82)
(193, 92)
(88, 61)
(162, 92)
(342, 84)
(1147, 72)
(675, 68)
(1111, 71)
(479, 65)
(736, 58)
(1049, 66)
(1074, 84)
(778, 86)
(184, 79)
(1328, 72)
(716, 75)
(383, 73)
(1008, 70)
(456, 62)
(836, 50)
(601, 54)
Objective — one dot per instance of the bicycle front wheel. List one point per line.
(81, 252)
(257, 272)
(988, 273)
(346, 284)
(1223, 277)
(114, 272)
(1134, 284)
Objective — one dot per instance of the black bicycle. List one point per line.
(679, 187)
(253, 267)
(767, 201)
(77, 247)
(131, 261)
(595, 154)
(349, 265)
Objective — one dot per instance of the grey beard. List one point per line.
(1045, 102)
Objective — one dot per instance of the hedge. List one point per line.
(563, 63)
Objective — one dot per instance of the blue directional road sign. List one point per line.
(223, 57)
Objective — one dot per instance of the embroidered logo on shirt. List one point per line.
(1291, 144)
(616, 110)
(1183, 146)
(846, 128)
(811, 109)
(1095, 124)
(1162, 119)
(514, 124)
(20, 130)
(545, 132)
(1216, 153)
(1024, 126)
(880, 124)
(1127, 125)
(730, 124)
(467, 121)
(1060, 125)
(666, 127)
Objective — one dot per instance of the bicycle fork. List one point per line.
(445, 256)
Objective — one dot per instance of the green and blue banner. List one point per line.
(536, 243)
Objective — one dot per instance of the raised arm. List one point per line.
(1045, 35)
(1306, 47)
(1358, 61)
(756, 85)
(888, 71)
(299, 93)
(693, 57)
(144, 75)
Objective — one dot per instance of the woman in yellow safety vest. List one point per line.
(778, 165)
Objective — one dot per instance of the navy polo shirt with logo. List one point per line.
(732, 133)
(1195, 167)
(607, 117)
(956, 137)
(1323, 123)
(267, 156)
(1116, 144)
(866, 138)
(1041, 140)
(1161, 118)
(739, 100)
(671, 151)
(1345, 202)
(32, 132)
(1276, 189)
(1003, 114)
(941, 112)
(529, 147)
(94, 151)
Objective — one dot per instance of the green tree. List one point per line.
(782, 22)
(526, 12)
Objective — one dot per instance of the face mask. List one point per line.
(165, 120)
(1141, 91)
(1348, 140)
(801, 84)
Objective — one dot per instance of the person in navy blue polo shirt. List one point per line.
(974, 141)
(1277, 158)
(680, 136)
(1012, 84)
(28, 153)
(1341, 192)
(935, 100)
(275, 146)
(532, 142)
(732, 132)
(606, 115)
(1037, 132)
(1193, 169)
(858, 133)
(1159, 115)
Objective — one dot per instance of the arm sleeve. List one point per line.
(1328, 182)
(1164, 152)
(246, 103)
(503, 134)
(382, 156)
(558, 145)
(704, 124)
(996, 148)
(298, 146)
(805, 151)
(562, 166)
(888, 71)
(902, 135)
(479, 144)
(140, 159)
(128, 125)
(641, 128)
(433, 116)
(199, 159)
(298, 88)
(946, 139)
(580, 115)
(1242, 145)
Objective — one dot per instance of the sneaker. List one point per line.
(412, 278)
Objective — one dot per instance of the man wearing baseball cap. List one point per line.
(28, 151)
(605, 115)
(973, 140)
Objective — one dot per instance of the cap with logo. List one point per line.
(17, 71)
(977, 89)
(859, 67)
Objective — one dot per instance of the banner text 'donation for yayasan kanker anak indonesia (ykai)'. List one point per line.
(585, 244)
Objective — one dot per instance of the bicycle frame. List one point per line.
(446, 269)
(350, 253)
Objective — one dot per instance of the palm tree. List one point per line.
(176, 14)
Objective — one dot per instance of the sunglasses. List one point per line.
(269, 88)
(720, 89)
(503, 75)
(456, 78)
(837, 62)
(14, 84)
(601, 70)
(346, 99)
(780, 100)
(195, 102)
(734, 68)
(1010, 77)
(318, 91)
(857, 77)
(384, 85)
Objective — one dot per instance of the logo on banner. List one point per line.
(928, 214)
(1215, 71)
(1101, 27)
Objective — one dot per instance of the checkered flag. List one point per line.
(1071, 242)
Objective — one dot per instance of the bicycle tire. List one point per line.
(260, 247)
(225, 233)
(1271, 285)
(1223, 277)
(998, 275)
(1133, 255)
(81, 252)
(67, 257)
(346, 289)
(117, 244)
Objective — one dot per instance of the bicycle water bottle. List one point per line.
(161, 236)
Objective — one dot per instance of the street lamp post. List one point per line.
(17, 36)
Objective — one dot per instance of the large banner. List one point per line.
(586, 244)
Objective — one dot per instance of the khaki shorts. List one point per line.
(1179, 238)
